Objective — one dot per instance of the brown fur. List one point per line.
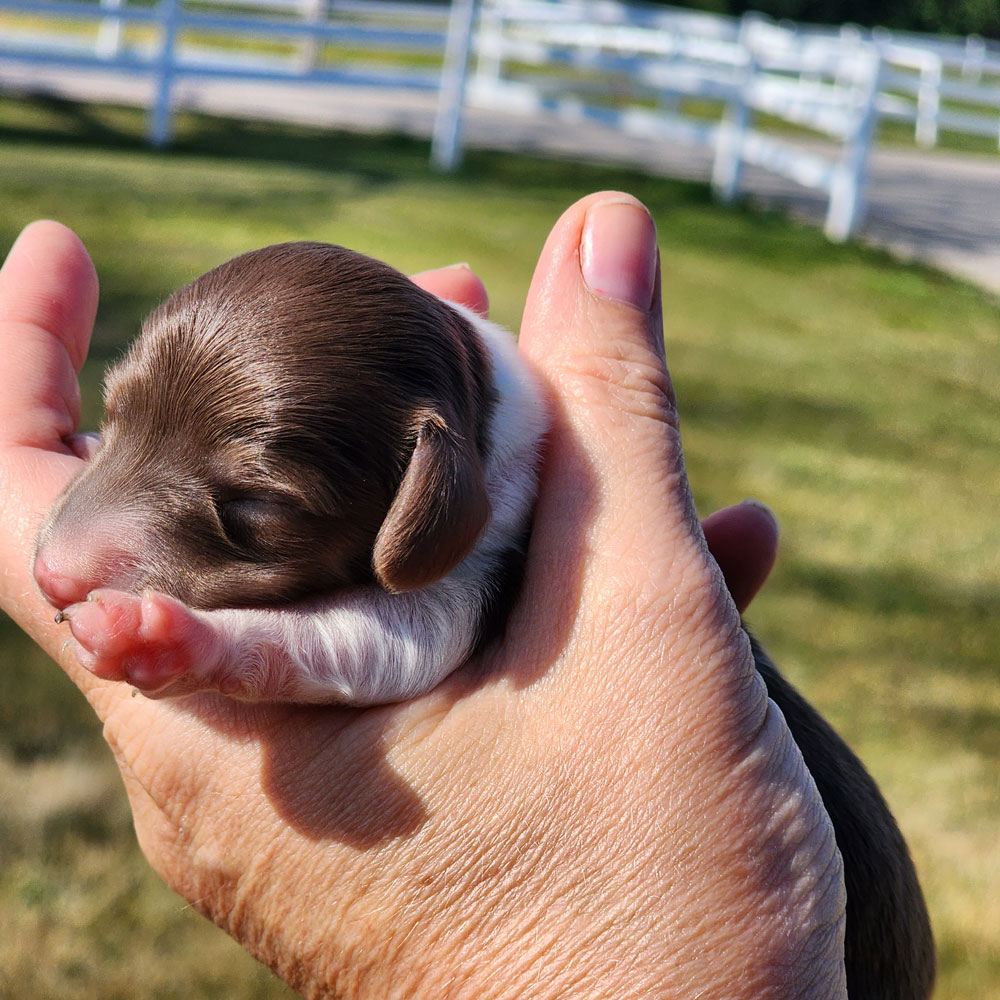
(251, 419)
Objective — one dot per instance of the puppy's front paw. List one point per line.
(149, 641)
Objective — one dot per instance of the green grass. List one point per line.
(857, 396)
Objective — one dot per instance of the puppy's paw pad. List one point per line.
(166, 622)
(151, 672)
(147, 640)
(107, 624)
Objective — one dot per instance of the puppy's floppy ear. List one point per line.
(438, 513)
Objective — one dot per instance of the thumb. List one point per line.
(593, 327)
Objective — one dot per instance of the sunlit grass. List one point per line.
(857, 396)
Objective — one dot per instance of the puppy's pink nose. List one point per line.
(60, 588)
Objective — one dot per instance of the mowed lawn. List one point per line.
(858, 397)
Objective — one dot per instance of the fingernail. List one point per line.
(461, 266)
(618, 255)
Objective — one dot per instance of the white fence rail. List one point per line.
(692, 79)
(749, 89)
(941, 87)
(281, 41)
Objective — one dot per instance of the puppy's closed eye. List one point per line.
(257, 522)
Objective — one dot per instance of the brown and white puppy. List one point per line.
(322, 465)
(327, 470)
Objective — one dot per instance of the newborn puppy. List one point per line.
(326, 469)
(322, 465)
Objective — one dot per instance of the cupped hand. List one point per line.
(606, 805)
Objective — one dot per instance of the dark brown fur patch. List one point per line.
(265, 420)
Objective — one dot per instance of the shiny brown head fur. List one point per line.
(300, 419)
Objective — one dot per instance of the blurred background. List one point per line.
(828, 201)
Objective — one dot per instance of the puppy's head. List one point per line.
(300, 419)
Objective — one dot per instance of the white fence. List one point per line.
(568, 59)
(801, 102)
(749, 89)
(269, 40)
(941, 84)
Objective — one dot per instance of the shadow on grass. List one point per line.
(380, 160)
(50, 120)
(895, 591)
(976, 729)
(917, 630)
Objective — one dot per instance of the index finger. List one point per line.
(48, 301)
(457, 283)
(48, 282)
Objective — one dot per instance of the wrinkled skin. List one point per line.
(607, 805)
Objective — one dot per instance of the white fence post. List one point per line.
(489, 43)
(727, 166)
(847, 185)
(160, 127)
(109, 32)
(313, 12)
(929, 101)
(975, 56)
(446, 145)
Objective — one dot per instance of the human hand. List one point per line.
(605, 806)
